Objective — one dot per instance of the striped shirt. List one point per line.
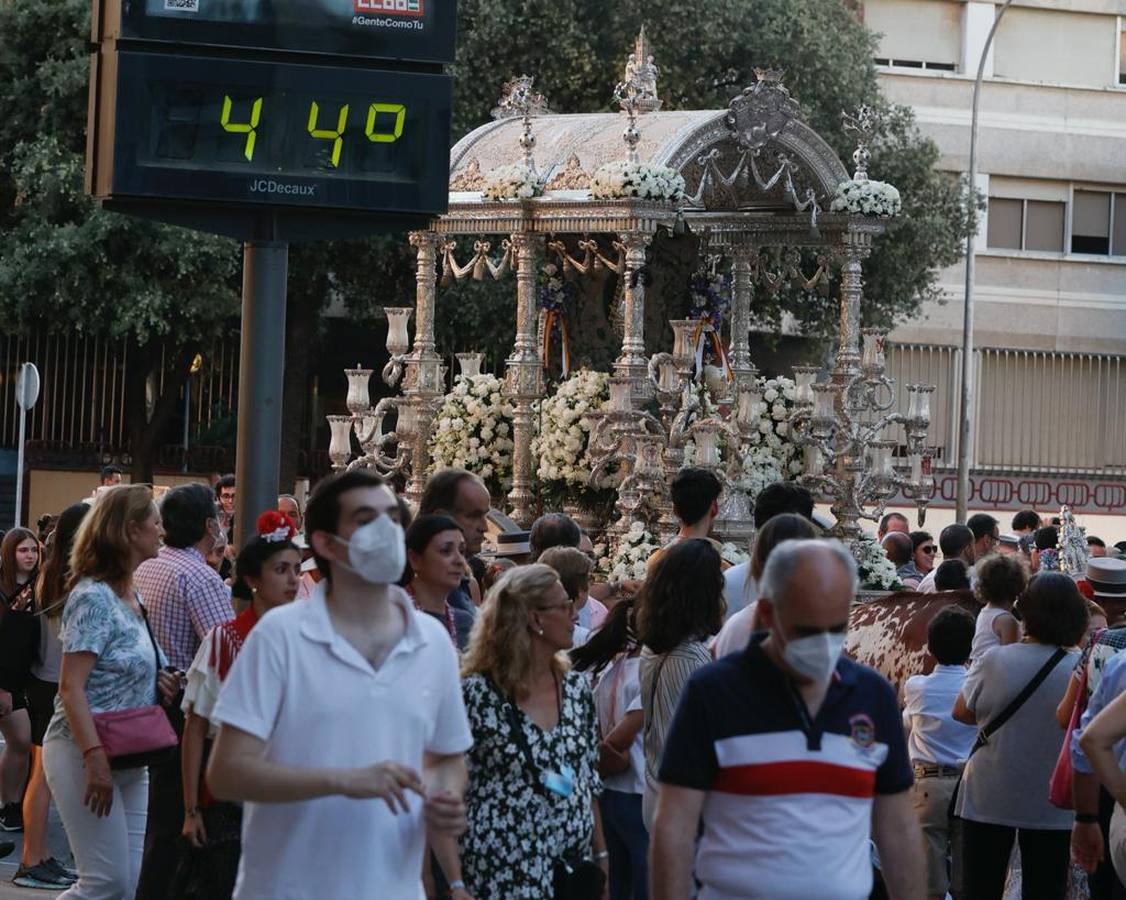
(789, 798)
(185, 598)
(663, 677)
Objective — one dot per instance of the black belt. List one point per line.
(929, 770)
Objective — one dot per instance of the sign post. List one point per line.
(271, 123)
(27, 393)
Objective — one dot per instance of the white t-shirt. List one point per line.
(317, 703)
(738, 584)
(619, 692)
(735, 634)
(928, 700)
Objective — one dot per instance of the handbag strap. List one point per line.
(152, 640)
(518, 735)
(988, 730)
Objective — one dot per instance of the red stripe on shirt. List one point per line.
(804, 777)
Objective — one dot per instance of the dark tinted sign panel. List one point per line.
(345, 138)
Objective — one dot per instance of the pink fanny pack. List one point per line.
(131, 738)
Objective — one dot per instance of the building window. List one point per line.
(1025, 225)
(915, 64)
(1090, 223)
(1098, 223)
(1122, 57)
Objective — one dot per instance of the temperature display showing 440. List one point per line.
(209, 129)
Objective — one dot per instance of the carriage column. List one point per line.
(424, 384)
(524, 378)
(743, 259)
(632, 363)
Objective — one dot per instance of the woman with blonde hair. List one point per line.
(110, 662)
(533, 770)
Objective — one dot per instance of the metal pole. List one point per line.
(261, 367)
(187, 414)
(19, 468)
(965, 419)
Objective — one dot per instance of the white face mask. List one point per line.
(815, 656)
(376, 551)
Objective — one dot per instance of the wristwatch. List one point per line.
(458, 885)
(1087, 818)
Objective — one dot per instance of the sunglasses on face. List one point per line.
(929, 549)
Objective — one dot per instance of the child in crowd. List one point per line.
(938, 745)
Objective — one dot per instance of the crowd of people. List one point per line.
(366, 699)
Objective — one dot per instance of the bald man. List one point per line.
(786, 758)
(900, 550)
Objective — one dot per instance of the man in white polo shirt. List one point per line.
(342, 723)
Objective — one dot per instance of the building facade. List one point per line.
(1050, 285)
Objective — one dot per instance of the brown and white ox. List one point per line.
(890, 634)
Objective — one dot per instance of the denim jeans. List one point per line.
(628, 843)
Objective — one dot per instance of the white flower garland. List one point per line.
(517, 182)
(473, 430)
(620, 179)
(866, 198)
(769, 453)
(877, 572)
(561, 445)
(634, 550)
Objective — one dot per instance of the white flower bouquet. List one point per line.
(561, 446)
(473, 431)
(866, 198)
(517, 182)
(621, 179)
(877, 572)
(769, 452)
(634, 550)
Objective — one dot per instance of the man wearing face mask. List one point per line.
(351, 695)
(789, 755)
(184, 599)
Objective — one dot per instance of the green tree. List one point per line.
(65, 265)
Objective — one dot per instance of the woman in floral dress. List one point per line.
(525, 814)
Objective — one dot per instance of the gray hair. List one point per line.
(787, 556)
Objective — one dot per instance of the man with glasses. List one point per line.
(986, 534)
(956, 542)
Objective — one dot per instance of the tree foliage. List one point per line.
(67, 265)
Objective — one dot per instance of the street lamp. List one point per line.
(965, 422)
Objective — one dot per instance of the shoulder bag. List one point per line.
(141, 735)
(987, 731)
(1059, 783)
(574, 876)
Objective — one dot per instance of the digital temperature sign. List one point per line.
(187, 127)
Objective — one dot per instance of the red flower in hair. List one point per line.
(274, 525)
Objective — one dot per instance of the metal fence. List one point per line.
(82, 399)
(1034, 411)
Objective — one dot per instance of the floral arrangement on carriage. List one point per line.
(473, 431)
(562, 444)
(876, 571)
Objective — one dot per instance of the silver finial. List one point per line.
(519, 99)
(864, 123)
(642, 71)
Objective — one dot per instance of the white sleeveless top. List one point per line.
(984, 636)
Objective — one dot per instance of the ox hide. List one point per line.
(890, 634)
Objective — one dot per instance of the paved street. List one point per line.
(9, 864)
